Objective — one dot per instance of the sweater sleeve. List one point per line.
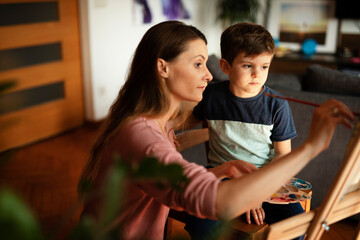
(198, 197)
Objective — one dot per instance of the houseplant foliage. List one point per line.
(18, 222)
(232, 11)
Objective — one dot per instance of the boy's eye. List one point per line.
(247, 66)
(265, 67)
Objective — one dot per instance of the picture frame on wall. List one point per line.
(292, 22)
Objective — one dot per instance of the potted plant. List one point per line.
(231, 11)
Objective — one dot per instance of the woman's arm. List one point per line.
(253, 188)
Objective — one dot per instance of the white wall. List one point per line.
(111, 30)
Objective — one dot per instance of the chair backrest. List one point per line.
(192, 137)
(341, 201)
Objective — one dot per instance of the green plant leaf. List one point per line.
(84, 187)
(151, 169)
(84, 230)
(16, 220)
(113, 195)
(232, 11)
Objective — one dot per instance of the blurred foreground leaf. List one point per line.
(16, 220)
(84, 230)
(152, 170)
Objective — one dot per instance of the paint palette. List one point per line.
(291, 192)
(300, 184)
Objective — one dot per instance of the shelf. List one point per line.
(297, 63)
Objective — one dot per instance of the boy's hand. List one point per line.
(258, 215)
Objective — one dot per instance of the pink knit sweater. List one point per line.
(146, 206)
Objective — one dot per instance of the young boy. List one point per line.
(243, 122)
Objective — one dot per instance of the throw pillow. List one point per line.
(326, 80)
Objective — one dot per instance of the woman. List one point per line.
(169, 66)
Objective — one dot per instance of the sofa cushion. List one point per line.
(214, 68)
(280, 81)
(326, 80)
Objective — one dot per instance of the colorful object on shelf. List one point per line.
(291, 192)
(276, 41)
(309, 47)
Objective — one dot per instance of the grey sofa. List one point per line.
(317, 85)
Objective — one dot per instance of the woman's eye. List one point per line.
(198, 65)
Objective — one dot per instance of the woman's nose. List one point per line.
(208, 77)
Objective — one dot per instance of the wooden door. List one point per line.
(40, 52)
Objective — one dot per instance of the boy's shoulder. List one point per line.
(271, 91)
(277, 101)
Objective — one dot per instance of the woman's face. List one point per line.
(187, 73)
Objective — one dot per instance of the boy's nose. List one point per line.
(254, 73)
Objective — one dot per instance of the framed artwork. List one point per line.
(293, 21)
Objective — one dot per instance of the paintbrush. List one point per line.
(300, 101)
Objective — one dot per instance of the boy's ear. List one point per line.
(162, 67)
(224, 65)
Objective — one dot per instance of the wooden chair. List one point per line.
(341, 201)
(239, 227)
(191, 138)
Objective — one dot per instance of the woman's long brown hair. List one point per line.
(143, 93)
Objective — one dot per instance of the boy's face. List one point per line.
(247, 74)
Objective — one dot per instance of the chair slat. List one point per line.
(192, 138)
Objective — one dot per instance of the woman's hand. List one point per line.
(324, 121)
(233, 169)
(258, 215)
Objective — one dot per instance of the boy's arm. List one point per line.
(281, 148)
(185, 118)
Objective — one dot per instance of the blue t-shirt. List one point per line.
(244, 128)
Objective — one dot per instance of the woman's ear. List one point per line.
(162, 67)
(224, 65)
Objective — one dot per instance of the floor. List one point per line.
(45, 175)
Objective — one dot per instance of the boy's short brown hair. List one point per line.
(248, 38)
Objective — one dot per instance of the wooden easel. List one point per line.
(341, 201)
